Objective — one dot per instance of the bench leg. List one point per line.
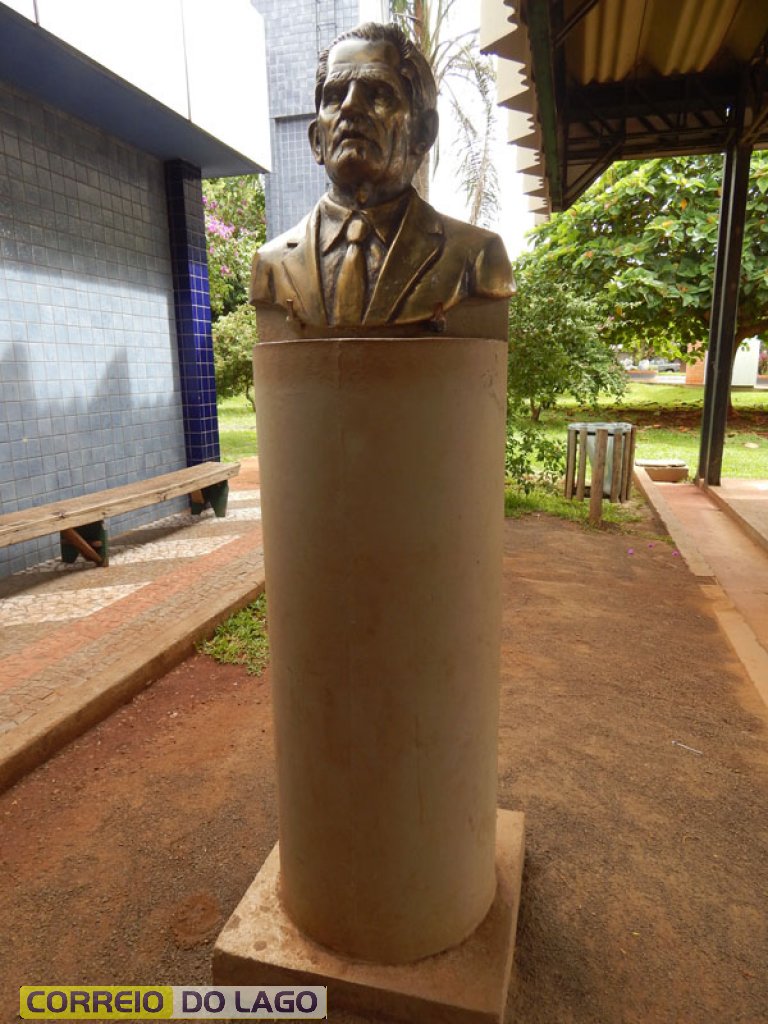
(215, 496)
(90, 541)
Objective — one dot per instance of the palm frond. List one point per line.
(457, 63)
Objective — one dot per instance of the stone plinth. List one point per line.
(468, 984)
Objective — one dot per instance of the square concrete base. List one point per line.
(465, 985)
(670, 471)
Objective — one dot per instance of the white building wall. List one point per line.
(204, 60)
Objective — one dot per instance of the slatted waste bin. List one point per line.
(609, 451)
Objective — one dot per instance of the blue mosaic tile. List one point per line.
(192, 307)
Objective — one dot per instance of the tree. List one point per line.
(235, 227)
(234, 335)
(457, 64)
(642, 240)
(556, 344)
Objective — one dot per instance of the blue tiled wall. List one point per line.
(296, 31)
(90, 391)
(189, 262)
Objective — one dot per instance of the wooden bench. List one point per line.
(80, 522)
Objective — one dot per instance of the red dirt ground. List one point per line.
(646, 879)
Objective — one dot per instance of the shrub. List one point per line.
(532, 458)
(234, 336)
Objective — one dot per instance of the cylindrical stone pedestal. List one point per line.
(382, 500)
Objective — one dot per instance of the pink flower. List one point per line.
(217, 227)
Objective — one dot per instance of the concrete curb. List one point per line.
(40, 737)
(741, 521)
(738, 632)
(653, 494)
(742, 639)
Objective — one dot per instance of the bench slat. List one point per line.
(72, 512)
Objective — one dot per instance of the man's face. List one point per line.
(365, 132)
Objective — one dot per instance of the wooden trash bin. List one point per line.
(610, 449)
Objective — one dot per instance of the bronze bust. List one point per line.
(372, 254)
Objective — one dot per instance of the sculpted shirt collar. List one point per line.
(384, 219)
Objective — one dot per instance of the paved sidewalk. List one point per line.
(722, 533)
(76, 641)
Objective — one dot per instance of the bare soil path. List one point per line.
(629, 736)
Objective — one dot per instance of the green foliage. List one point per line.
(556, 343)
(668, 422)
(234, 335)
(242, 639)
(540, 500)
(235, 229)
(237, 429)
(532, 458)
(642, 241)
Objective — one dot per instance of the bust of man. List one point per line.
(372, 255)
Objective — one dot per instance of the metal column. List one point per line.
(725, 304)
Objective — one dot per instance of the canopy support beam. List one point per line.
(725, 305)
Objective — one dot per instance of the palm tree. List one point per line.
(456, 63)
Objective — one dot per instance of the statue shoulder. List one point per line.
(491, 269)
(268, 259)
(491, 272)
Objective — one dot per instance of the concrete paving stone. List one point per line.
(39, 689)
(167, 583)
(22, 716)
(190, 547)
(243, 497)
(59, 607)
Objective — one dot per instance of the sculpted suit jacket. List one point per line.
(433, 263)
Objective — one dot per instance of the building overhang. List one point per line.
(43, 65)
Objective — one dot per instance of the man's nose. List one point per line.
(355, 98)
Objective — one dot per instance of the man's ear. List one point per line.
(426, 133)
(314, 141)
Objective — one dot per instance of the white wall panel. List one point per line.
(141, 41)
(25, 7)
(226, 64)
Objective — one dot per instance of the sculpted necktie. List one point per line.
(352, 282)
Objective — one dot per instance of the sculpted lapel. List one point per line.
(415, 247)
(302, 270)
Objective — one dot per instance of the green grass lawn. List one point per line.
(668, 418)
(237, 429)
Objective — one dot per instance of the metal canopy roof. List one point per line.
(588, 82)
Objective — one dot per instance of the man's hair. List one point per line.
(414, 66)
